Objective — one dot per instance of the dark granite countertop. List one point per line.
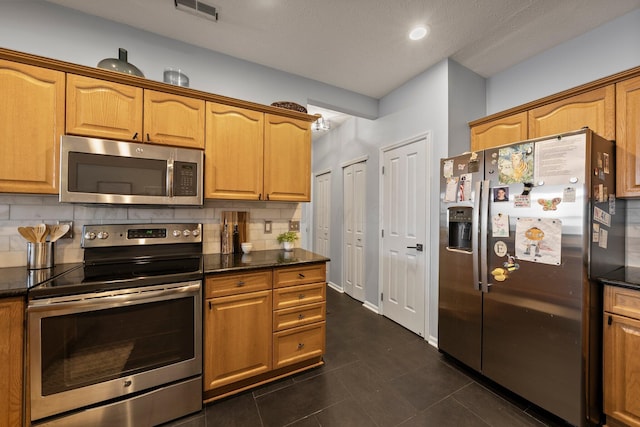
(218, 263)
(16, 281)
(627, 277)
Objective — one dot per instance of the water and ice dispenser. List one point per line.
(460, 228)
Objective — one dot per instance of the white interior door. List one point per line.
(353, 266)
(404, 223)
(322, 215)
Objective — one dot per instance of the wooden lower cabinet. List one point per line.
(261, 325)
(11, 360)
(237, 332)
(621, 356)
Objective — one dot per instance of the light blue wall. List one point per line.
(606, 50)
(45, 29)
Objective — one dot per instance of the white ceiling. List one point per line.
(362, 45)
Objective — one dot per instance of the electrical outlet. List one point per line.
(267, 227)
(68, 234)
(294, 225)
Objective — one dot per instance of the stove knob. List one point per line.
(176, 233)
(89, 235)
(103, 235)
(195, 233)
(186, 233)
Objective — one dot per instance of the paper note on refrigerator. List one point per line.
(559, 161)
(451, 191)
(539, 240)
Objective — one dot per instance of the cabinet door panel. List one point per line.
(11, 359)
(628, 137)
(103, 109)
(291, 276)
(173, 119)
(622, 369)
(237, 338)
(234, 283)
(297, 344)
(298, 295)
(287, 159)
(594, 109)
(32, 121)
(499, 132)
(233, 153)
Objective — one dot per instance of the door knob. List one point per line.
(418, 247)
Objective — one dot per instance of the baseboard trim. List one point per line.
(371, 307)
(335, 287)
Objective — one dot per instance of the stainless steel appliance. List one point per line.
(116, 172)
(117, 340)
(523, 230)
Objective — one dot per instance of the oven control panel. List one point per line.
(107, 235)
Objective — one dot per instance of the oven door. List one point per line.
(86, 349)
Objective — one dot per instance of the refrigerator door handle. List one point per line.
(475, 233)
(484, 236)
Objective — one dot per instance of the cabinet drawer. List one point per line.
(237, 283)
(623, 301)
(298, 295)
(298, 316)
(294, 345)
(290, 276)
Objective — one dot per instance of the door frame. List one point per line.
(430, 248)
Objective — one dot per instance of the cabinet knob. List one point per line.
(240, 283)
(300, 346)
(301, 296)
(300, 275)
(135, 136)
(300, 316)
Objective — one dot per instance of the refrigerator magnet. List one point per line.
(500, 248)
(596, 233)
(604, 236)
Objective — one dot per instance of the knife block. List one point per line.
(229, 222)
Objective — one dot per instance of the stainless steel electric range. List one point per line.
(117, 340)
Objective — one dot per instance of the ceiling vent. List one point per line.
(197, 8)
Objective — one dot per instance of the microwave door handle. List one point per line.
(170, 178)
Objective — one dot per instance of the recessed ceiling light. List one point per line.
(419, 33)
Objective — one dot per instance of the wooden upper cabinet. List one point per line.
(173, 119)
(233, 153)
(628, 137)
(31, 119)
(594, 109)
(287, 159)
(103, 109)
(499, 132)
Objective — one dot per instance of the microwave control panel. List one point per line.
(185, 182)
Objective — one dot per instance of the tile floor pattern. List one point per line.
(376, 374)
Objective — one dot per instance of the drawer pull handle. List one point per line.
(301, 296)
(301, 276)
(300, 346)
(240, 283)
(300, 316)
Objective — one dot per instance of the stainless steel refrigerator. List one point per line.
(524, 231)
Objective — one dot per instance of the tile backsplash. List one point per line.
(27, 210)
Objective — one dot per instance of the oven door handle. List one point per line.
(105, 299)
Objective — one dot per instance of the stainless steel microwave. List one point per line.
(116, 172)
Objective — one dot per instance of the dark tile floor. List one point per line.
(376, 373)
